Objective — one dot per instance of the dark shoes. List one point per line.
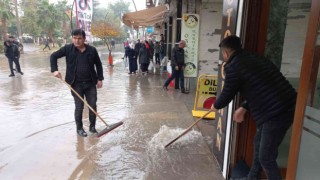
(93, 130)
(185, 92)
(165, 88)
(12, 75)
(81, 133)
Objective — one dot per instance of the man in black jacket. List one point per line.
(137, 47)
(81, 62)
(177, 64)
(46, 44)
(269, 97)
(13, 54)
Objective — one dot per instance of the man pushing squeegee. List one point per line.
(82, 78)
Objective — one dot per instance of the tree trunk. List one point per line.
(50, 34)
(4, 29)
(65, 30)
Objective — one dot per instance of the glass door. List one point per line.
(304, 153)
(309, 161)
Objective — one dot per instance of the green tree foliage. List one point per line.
(50, 18)
(30, 18)
(63, 10)
(120, 7)
(43, 19)
(5, 15)
(95, 3)
(39, 18)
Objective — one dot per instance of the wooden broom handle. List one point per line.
(85, 102)
(188, 129)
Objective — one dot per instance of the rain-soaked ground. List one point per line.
(38, 138)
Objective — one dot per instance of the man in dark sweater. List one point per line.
(269, 97)
(81, 62)
(177, 64)
(12, 52)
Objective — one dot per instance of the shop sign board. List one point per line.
(205, 95)
(190, 33)
(229, 22)
(84, 11)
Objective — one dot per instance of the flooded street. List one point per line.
(38, 137)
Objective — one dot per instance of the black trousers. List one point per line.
(46, 46)
(16, 62)
(87, 90)
(157, 57)
(144, 67)
(178, 75)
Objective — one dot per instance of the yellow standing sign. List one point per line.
(205, 96)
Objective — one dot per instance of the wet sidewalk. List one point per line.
(38, 139)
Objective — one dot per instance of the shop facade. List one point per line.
(288, 34)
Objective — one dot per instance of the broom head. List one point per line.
(109, 128)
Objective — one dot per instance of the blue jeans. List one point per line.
(178, 75)
(89, 91)
(268, 137)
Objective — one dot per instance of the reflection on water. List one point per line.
(39, 117)
(87, 152)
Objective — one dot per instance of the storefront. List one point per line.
(288, 34)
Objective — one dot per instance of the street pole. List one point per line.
(136, 11)
(134, 5)
(71, 26)
(110, 58)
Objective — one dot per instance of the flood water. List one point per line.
(38, 137)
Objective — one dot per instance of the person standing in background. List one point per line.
(157, 52)
(46, 45)
(12, 52)
(144, 58)
(177, 64)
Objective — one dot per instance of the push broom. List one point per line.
(109, 127)
(188, 129)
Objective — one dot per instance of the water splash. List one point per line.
(165, 160)
(167, 134)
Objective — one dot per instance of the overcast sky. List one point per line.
(141, 4)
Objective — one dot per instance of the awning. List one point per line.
(146, 17)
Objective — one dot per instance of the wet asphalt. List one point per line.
(38, 137)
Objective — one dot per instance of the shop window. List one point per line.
(293, 48)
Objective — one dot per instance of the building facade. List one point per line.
(288, 34)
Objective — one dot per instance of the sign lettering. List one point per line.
(84, 17)
(230, 10)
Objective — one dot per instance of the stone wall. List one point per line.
(210, 33)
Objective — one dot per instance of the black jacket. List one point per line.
(144, 55)
(12, 51)
(70, 52)
(268, 93)
(137, 47)
(177, 57)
